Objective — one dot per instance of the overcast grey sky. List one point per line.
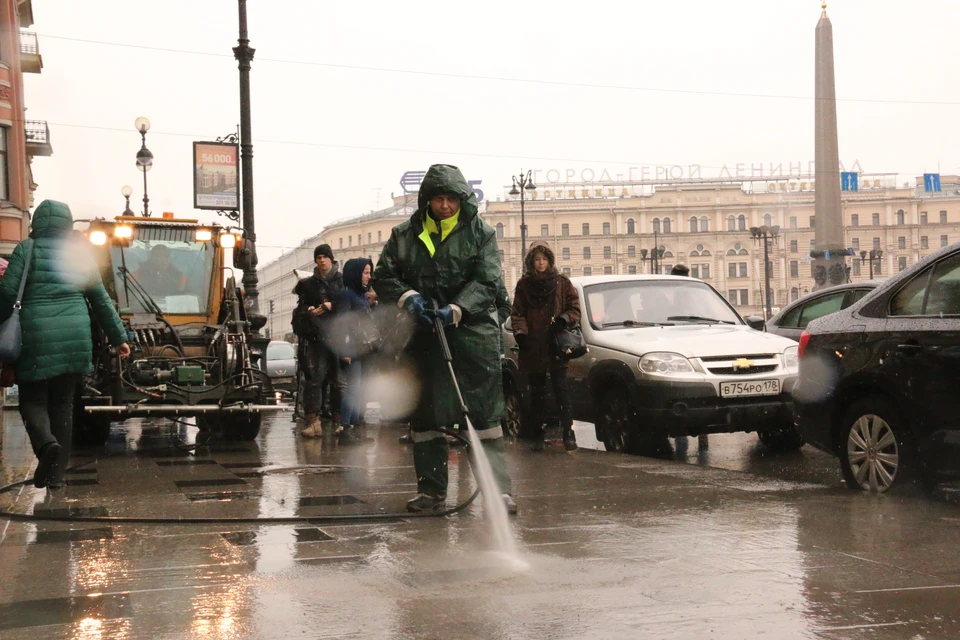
(327, 136)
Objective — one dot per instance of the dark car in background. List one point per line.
(281, 365)
(880, 381)
(794, 318)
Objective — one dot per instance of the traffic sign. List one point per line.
(931, 182)
(849, 181)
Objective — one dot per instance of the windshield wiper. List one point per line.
(634, 323)
(699, 319)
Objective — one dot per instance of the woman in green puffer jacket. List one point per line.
(62, 278)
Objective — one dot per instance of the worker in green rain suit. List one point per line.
(445, 252)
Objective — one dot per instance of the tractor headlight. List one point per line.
(98, 238)
(228, 240)
(204, 235)
(665, 364)
(791, 359)
(123, 231)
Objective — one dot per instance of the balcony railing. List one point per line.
(28, 43)
(37, 134)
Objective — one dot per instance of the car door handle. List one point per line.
(909, 349)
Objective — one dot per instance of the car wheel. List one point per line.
(781, 439)
(616, 422)
(875, 446)
(513, 416)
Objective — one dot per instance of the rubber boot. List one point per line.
(313, 429)
(569, 440)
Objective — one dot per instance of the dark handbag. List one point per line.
(364, 335)
(568, 343)
(11, 335)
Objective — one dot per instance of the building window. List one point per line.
(900, 217)
(606, 228)
(924, 242)
(544, 230)
(855, 220)
(731, 223)
(607, 253)
(565, 253)
(736, 269)
(768, 220)
(4, 171)
(741, 222)
(359, 239)
(631, 227)
(564, 229)
(499, 229)
(566, 271)
(607, 270)
(813, 222)
(856, 243)
(631, 251)
(876, 243)
(875, 220)
(738, 297)
(500, 251)
(632, 269)
(793, 246)
(586, 228)
(667, 268)
(701, 271)
(943, 217)
(794, 294)
(666, 225)
(341, 243)
(943, 241)
(693, 224)
(923, 217)
(704, 223)
(793, 222)
(370, 237)
(902, 263)
(588, 271)
(794, 268)
(349, 241)
(379, 236)
(855, 270)
(813, 245)
(901, 242)
(656, 225)
(586, 253)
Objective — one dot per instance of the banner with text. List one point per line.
(216, 176)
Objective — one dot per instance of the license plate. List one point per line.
(749, 388)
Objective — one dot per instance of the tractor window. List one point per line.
(174, 271)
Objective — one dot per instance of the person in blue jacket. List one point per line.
(352, 312)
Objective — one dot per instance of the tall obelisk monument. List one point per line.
(829, 265)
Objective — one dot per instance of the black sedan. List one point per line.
(880, 381)
(794, 318)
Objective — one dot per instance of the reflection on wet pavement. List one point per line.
(723, 542)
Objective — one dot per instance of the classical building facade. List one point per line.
(700, 223)
(20, 139)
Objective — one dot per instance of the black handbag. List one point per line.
(11, 334)
(568, 343)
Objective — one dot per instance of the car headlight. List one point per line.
(665, 364)
(791, 359)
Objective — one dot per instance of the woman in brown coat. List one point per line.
(545, 301)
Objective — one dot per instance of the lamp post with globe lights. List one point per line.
(765, 234)
(126, 191)
(874, 254)
(144, 160)
(521, 184)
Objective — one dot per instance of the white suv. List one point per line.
(669, 356)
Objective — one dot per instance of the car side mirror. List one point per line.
(756, 322)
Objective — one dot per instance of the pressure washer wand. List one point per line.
(438, 326)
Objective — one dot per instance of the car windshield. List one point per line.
(281, 351)
(170, 264)
(655, 302)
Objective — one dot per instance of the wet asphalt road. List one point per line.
(729, 542)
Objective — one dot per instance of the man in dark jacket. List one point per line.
(311, 322)
(446, 253)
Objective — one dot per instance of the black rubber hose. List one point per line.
(328, 519)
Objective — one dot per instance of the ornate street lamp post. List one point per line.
(765, 234)
(126, 191)
(144, 160)
(875, 254)
(521, 184)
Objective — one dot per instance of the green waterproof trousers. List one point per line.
(431, 453)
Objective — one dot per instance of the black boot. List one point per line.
(569, 440)
(424, 502)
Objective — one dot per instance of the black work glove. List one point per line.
(444, 314)
(415, 305)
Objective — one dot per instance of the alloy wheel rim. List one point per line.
(615, 424)
(873, 453)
